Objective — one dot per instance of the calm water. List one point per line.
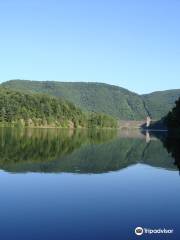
(86, 185)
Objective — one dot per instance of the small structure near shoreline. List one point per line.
(148, 121)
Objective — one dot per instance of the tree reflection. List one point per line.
(82, 151)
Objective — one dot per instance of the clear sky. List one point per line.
(130, 43)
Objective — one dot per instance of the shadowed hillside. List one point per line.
(171, 139)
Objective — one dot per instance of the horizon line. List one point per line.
(59, 81)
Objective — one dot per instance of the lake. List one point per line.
(86, 184)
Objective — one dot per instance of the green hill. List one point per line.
(160, 103)
(29, 109)
(95, 97)
(103, 98)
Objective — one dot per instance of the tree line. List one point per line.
(41, 110)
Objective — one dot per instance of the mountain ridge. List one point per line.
(102, 97)
(89, 82)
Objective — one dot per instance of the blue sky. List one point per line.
(130, 43)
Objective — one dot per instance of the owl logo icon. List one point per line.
(139, 231)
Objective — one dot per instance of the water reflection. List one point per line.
(171, 142)
(81, 151)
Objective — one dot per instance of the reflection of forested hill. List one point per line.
(43, 145)
(171, 141)
(115, 155)
(81, 151)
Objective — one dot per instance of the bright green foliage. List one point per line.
(102, 120)
(25, 109)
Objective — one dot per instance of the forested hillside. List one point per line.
(25, 109)
(160, 103)
(173, 118)
(95, 97)
(103, 98)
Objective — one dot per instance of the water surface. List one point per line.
(60, 184)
